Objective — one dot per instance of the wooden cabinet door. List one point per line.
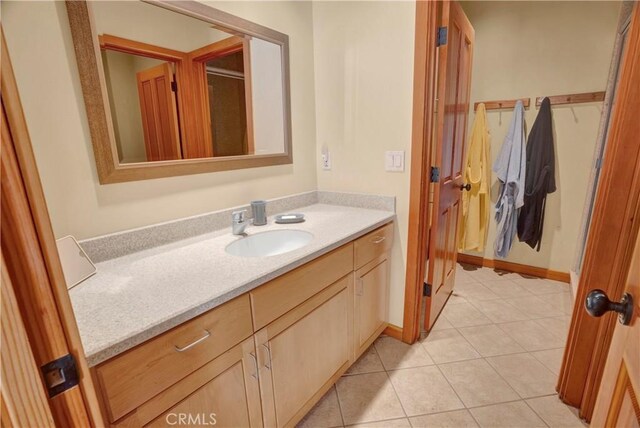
(371, 302)
(302, 353)
(224, 393)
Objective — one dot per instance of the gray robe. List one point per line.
(510, 169)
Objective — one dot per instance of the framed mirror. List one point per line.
(178, 87)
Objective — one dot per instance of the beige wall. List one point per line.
(47, 77)
(531, 49)
(364, 72)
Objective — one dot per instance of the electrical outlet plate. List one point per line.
(394, 161)
(326, 160)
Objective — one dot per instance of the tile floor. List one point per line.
(491, 360)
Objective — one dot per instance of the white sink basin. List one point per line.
(269, 243)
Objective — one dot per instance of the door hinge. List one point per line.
(426, 289)
(174, 86)
(442, 36)
(60, 375)
(435, 174)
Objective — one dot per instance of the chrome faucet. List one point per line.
(238, 222)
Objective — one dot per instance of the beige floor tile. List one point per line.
(506, 288)
(561, 302)
(442, 323)
(489, 340)
(446, 346)
(369, 362)
(455, 419)
(477, 383)
(424, 390)
(325, 414)
(508, 415)
(487, 274)
(555, 413)
(536, 306)
(501, 310)
(474, 291)
(392, 423)
(395, 354)
(531, 335)
(463, 277)
(456, 298)
(368, 398)
(557, 325)
(551, 358)
(542, 286)
(464, 315)
(528, 376)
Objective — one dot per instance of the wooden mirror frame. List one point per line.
(96, 99)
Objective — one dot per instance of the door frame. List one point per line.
(424, 122)
(42, 296)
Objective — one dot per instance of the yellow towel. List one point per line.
(477, 172)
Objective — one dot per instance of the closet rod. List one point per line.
(501, 104)
(586, 97)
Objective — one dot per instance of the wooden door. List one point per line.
(31, 269)
(617, 402)
(454, 83)
(23, 396)
(302, 354)
(371, 289)
(611, 237)
(224, 393)
(159, 113)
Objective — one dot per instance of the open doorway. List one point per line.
(521, 52)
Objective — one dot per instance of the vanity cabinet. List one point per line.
(372, 253)
(302, 354)
(224, 392)
(262, 359)
(371, 302)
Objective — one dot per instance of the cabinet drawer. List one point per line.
(373, 244)
(286, 292)
(132, 378)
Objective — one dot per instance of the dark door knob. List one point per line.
(598, 304)
(466, 187)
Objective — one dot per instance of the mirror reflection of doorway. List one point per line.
(227, 104)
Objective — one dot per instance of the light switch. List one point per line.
(394, 161)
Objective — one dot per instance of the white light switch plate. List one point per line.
(394, 161)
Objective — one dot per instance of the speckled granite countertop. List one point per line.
(140, 295)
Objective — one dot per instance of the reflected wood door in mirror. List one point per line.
(159, 113)
(208, 92)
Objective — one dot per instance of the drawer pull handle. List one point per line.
(255, 363)
(192, 344)
(379, 239)
(268, 365)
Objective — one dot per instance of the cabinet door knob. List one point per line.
(597, 304)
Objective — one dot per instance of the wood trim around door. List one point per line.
(611, 237)
(33, 261)
(424, 79)
(514, 267)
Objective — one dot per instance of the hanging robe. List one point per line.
(477, 173)
(540, 177)
(510, 167)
